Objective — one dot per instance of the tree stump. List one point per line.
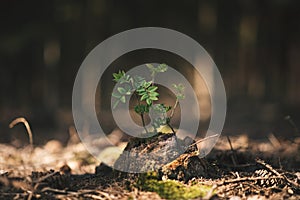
(172, 157)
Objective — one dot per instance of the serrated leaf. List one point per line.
(155, 125)
(124, 79)
(152, 88)
(180, 87)
(127, 89)
(118, 76)
(140, 109)
(147, 84)
(162, 67)
(146, 109)
(142, 93)
(180, 96)
(116, 95)
(150, 66)
(115, 75)
(168, 108)
(144, 96)
(153, 98)
(123, 99)
(141, 89)
(149, 101)
(137, 109)
(138, 78)
(121, 90)
(153, 94)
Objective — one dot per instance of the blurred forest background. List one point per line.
(254, 43)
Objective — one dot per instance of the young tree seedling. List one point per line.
(146, 94)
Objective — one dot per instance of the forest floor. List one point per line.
(248, 169)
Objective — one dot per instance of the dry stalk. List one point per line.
(292, 123)
(202, 140)
(27, 126)
(233, 155)
(274, 141)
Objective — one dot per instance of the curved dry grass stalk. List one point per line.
(204, 139)
(27, 126)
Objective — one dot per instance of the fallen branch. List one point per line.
(41, 179)
(270, 168)
(243, 179)
(57, 191)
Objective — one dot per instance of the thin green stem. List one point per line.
(142, 115)
(153, 80)
(171, 128)
(174, 107)
(143, 121)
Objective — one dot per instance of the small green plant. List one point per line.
(145, 91)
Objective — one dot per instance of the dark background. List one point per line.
(254, 43)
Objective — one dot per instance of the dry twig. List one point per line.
(269, 167)
(202, 140)
(243, 179)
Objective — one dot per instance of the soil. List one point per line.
(238, 168)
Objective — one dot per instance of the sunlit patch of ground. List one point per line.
(68, 172)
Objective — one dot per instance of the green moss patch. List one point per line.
(171, 189)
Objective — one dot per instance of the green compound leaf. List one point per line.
(118, 76)
(162, 67)
(154, 70)
(140, 109)
(180, 97)
(179, 91)
(138, 81)
(146, 92)
(125, 79)
(147, 84)
(160, 109)
(137, 109)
